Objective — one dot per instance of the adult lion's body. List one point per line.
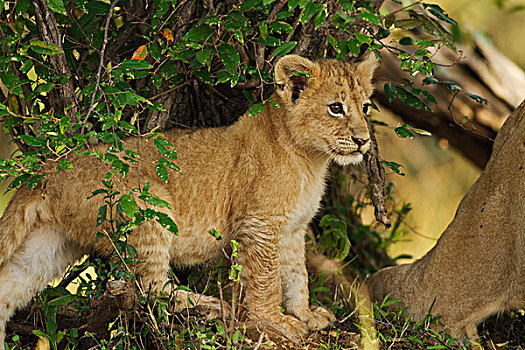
(259, 181)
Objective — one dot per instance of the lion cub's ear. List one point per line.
(290, 78)
(365, 67)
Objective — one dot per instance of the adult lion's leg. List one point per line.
(259, 258)
(295, 282)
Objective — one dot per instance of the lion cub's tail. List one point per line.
(24, 213)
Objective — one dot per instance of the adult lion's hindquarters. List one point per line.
(476, 268)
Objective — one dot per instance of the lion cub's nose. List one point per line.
(360, 142)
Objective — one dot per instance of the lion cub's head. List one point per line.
(326, 104)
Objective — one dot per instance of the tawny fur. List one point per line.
(259, 181)
(477, 267)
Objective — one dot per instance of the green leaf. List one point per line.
(370, 17)
(62, 300)
(476, 98)
(162, 172)
(129, 205)
(98, 7)
(269, 41)
(154, 200)
(204, 56)
(45, 87)
(320, 18)
(165, 148)
(421, 52)
(283, 14)
(263, 30)
(255, 109)
(247, 5)
(284, 48)
(382, 33)
(57, 6)
(136, 64)
(363, 38)
(102, 211)
(235, 21)
(402, 131)
(439, 13)
(169, 164)
(430, 80)
(22, 6)
(26, 67)
(392, 91)
(45, 48)
(354, 46)
(199, 33)
(33, 140)
(215, 233)
(165, 221)
(452, 85)
(334, 236)
(408, 24)
(406, 41)
(292, 4)
(18, 181)
(155, 51)
(310, 9)
(11, 81)
(230, 57)
(280, 27)
(395, 167)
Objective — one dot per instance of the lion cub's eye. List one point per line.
(366, 108)
(336, 109)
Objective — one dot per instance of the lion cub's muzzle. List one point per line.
(346, 147)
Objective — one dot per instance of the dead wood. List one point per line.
(118, 297)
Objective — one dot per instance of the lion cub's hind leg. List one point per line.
(44, 255)
(153, 245)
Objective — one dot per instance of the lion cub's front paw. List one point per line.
(293, 325)
(317, 318)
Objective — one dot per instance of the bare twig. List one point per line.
(259, 342)
(276, 8)
(101, 64)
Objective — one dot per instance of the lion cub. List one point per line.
(258, 181)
